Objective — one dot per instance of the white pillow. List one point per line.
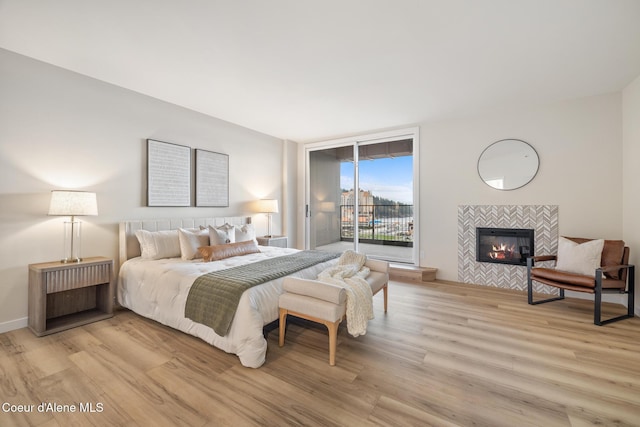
(190, 241)
(222, 235)
(581, 258)
(246, 232)
(159, 244)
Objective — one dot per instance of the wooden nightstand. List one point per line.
(279, 241)
(63, 296)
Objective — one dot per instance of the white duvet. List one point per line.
(158, 290)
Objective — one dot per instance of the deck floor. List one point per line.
(401, 254)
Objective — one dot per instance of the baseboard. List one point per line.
(13, 325)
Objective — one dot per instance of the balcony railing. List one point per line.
(379, 224)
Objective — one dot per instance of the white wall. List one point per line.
(631, 174)
(580, 148)
(290, 192)
(62, 130)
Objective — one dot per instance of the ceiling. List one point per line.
(312, 70)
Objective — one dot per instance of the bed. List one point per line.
(158, 288)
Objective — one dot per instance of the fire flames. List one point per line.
(502, 251)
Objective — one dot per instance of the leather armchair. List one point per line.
(614, 276)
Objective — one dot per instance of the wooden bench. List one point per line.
(326, 303)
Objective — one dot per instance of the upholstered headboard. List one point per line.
(130, 247)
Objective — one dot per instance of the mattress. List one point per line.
(158, 290)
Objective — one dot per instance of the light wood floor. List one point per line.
(445, 354)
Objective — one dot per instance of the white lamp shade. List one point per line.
(73, 203)
(268, 206)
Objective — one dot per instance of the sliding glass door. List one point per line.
(361, 195)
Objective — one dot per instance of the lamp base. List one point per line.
(72, 242)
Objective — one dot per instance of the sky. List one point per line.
(391, 178)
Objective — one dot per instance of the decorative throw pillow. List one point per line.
(159, 244)
(612, 255)
(222, 235)
(190, 241)
(581, 258)
(218, 252)
(246, 232)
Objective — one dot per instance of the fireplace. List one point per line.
(504, 245)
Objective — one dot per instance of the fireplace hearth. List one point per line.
(504, 245)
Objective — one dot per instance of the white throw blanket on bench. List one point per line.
(350, 273)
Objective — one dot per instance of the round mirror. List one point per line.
(508, 164)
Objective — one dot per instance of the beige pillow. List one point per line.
(222, 235)
(190, 241)
(581, 258)
(218, 252)
(159, 244)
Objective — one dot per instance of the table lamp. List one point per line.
(268, 206)
(72, 204)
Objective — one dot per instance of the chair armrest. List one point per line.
(544, 257)
(614, 267)
(532, 260)
(315, 289)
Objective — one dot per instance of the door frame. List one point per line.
(373, 138)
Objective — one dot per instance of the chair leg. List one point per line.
(283, 326)
(631, 284)
(529, 281)
(597, 301)
(530, 287)
(542, 301)
(597, 316)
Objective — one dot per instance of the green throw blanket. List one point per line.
(213, 298)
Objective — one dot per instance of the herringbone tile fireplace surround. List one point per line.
(541, 218)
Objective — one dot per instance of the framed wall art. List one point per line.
(168, 174)
(212, 179)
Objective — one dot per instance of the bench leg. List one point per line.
(331, 326)
(385, 291)
(333, 339)
(283, 326)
